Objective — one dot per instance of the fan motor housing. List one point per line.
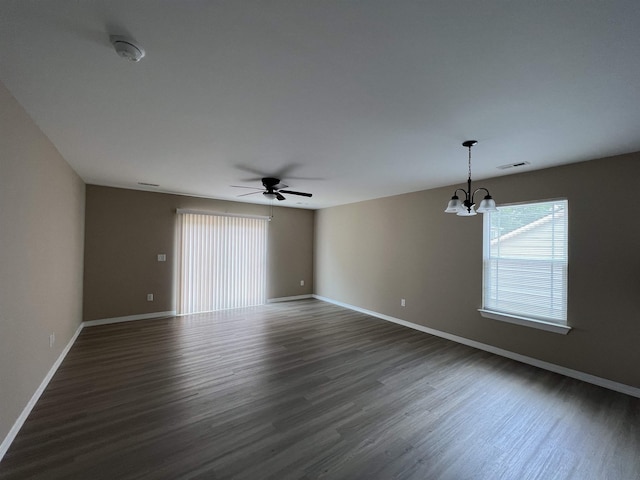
(270, 182)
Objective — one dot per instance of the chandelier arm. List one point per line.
(477, 190)
(466, 194)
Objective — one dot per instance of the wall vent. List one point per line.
(513, 165)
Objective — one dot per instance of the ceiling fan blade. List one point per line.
(249, 169)
(250, 193)
(296, 193)
(280, 186)
(280, 197)
(304, 178)
(285, 170)
(242, 186)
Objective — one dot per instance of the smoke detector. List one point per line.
(127, 48)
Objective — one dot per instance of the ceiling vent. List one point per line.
(513, 165)
(127, 48)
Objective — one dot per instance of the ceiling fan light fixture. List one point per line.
(273, 189)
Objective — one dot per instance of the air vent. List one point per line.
(513, 165)
(148, 184)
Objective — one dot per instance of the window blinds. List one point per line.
(525, 260)
(221, 262)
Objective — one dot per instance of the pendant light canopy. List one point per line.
(466, 208)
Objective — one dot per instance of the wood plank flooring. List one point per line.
(306, 390)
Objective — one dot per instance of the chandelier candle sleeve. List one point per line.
(466, 208)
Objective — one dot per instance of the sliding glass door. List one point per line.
(221, 262)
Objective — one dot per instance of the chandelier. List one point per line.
(466, 208)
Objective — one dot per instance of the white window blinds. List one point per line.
(221, 262)
(525, 260)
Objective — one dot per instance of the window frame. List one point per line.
(515, 318)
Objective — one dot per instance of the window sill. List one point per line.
(526, 322)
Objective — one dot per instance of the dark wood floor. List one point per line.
(307, 390)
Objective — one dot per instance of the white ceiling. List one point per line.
(349, 100)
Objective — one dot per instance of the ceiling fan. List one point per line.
(272, 189)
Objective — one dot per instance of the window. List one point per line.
(525, 265)
(222, 261)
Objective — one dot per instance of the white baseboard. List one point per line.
(129, 318)
(585, 377)
(288, 299)
(17, 425)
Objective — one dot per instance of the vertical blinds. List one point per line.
(222, 262)
(525, 260)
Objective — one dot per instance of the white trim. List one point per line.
(529, 202)
(491, 285)
(17, 425)
(182, 211)
(585, 377)
(129, 318)
(526, 322)
(288, 299)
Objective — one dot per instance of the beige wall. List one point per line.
(373, 253)
(41, 252)
(126, 229)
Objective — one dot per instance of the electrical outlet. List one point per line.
(403, 303)
(52, 340)
(149, 297)
(302, 283)
(162, 257)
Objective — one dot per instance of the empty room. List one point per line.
(331, 239)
